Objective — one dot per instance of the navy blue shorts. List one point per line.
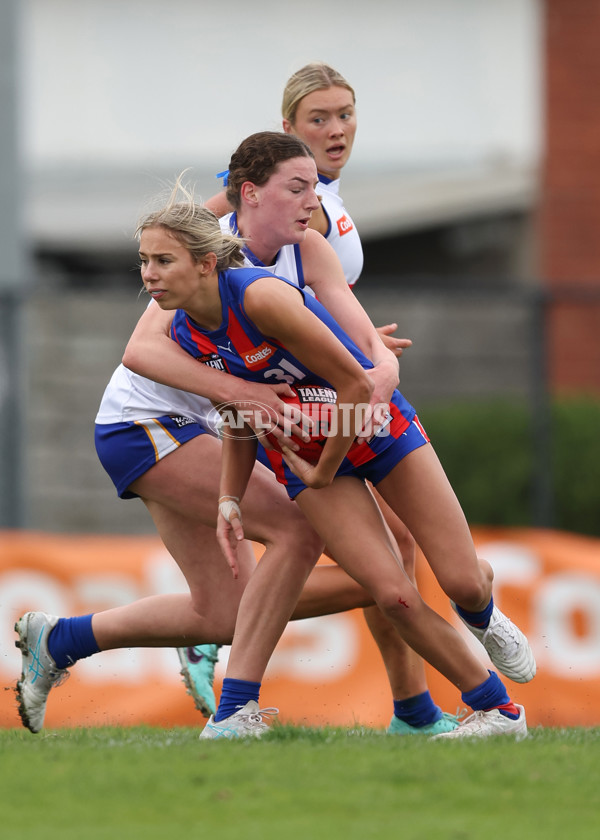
(128, 450)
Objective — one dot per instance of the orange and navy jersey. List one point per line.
(239, 348)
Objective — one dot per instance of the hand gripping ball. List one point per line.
(316, 403)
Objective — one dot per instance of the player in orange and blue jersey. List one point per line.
(262, 325)
(239, 348)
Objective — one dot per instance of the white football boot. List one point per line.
(487, 724)
(247, 722)
(39, 673)
(506, 646)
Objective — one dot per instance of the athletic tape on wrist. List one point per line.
(227, 507)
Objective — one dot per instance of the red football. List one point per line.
(315, 402)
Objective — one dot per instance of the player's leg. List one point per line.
(366, 556)
(265, 608)
(49, 645)
(206, 616)
(415, 712)
(369, 556)
(404, 667)
(434, 517)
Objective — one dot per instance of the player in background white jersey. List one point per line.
(319, 106)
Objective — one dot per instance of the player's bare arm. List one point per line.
(151, 353)
(237, 461)
(278, 310)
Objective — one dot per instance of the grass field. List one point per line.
(333, 784)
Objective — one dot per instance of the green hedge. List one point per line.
(488, 452)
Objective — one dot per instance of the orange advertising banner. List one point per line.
(325, 670)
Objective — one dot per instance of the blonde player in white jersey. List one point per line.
(319, 107)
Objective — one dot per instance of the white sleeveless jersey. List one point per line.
(130, 397)
(341, 234)
(288, 262)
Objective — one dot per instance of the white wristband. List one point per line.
(227, 507)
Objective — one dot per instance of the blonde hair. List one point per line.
(314, 76)
(195, 227)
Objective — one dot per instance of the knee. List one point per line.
(214, 628)
(472, 591)
(400, 605)
(294, 530)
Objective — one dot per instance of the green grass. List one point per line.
(334, 784)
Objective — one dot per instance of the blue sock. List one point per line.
(491, 694)
(477, 619)
(417, 711)
(234, 695)
(72, 639)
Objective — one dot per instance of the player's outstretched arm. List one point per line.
(151, 353)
